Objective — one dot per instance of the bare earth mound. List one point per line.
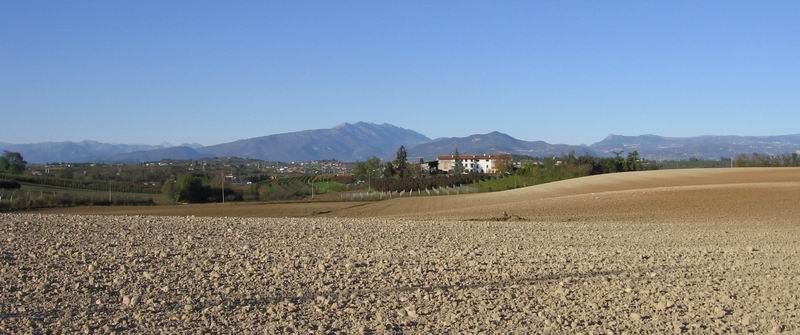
(698, 251)
(695, 194)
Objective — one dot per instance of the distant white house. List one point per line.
(485, 163)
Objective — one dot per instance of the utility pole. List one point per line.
(109, 193)
(223, 186)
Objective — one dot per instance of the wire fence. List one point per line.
(425, 192)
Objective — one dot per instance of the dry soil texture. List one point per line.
(678, 251)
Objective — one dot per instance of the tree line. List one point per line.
(398, 174)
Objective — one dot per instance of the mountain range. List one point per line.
(358, 141)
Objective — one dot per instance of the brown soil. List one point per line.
(697, 251)
(232, 209)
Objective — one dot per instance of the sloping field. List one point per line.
(693, 194)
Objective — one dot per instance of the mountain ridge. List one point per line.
(346, 142)
(360, 140)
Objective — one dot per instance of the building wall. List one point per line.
(485, 165)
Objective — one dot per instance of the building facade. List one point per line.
(485, 163)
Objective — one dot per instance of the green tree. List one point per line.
(190, 188)
(458, 167)
(12, 162)
(400, 163)
(616, 164)
(633, 163)
(368, 170)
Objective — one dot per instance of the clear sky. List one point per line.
(560, 71)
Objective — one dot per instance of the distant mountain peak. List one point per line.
(499, 134)
(344, 142)
(360, 124)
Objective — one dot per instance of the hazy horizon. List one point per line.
(564, 72)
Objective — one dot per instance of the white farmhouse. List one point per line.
(485, 163)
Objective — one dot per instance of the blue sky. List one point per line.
(559, 71)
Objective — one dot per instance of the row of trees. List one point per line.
(571, 166)
(399, 175)
(427, 182)
(293, 188)
(198, 188)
